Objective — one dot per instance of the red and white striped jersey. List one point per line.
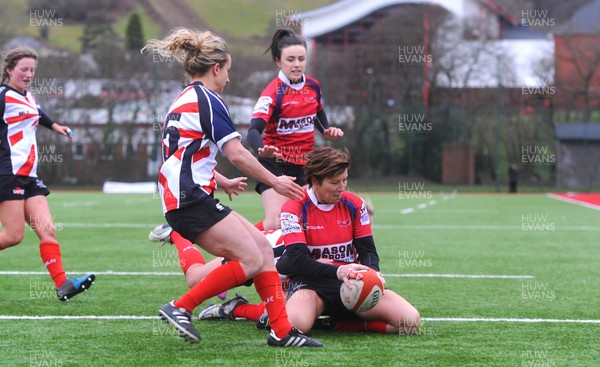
(328, 229)
(293, 132)
(276, 240)
(196, 127)
(20, 118)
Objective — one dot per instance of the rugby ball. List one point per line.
(362, 294)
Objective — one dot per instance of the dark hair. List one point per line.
(325, 162)
(13, 56)
(283, 38)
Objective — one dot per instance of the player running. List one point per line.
(288, 111)
(197, 126)
(22, 193)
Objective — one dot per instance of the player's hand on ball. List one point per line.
(382, 278)
(349, 271)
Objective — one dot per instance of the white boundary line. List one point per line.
(572, 201)
(475, 227)
(474, 276)
(483, 319)
(429, 319)
(457, 227)
(149, 273)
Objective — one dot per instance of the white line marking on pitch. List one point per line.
(430, 319)
(115, 273)
(149, 273)
(475, 227)
(474, 276)
(483, 319)
(109, 225)
(77, 204)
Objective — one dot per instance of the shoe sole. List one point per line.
(189, 337)
(83, 287)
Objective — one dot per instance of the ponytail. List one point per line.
(283, 38)
(195, 51)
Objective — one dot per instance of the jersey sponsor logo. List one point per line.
(340, 252)
(288, 226)
(262, 105)
(364, 215)
(313, 227)
(289, 103)
(310, 99)
(303, 124)
(18, 191)
(344, 223)
(288, 216)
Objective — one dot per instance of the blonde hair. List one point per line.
(196, 51)
(12, 58)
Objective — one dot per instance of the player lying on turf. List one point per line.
(195, 267)
(392, 315)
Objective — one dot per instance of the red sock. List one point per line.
(219, 280)
(374, 326)
(260, 226)
(250, 312)
(188, 253)
(268, 286)
(50, 252)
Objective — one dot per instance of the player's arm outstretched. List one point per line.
(231, 186)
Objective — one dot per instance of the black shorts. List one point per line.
(329, 290)
(280, 168)
(192, 220)
(21, 187)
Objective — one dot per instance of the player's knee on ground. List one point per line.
(409, 323)
(300, 322)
